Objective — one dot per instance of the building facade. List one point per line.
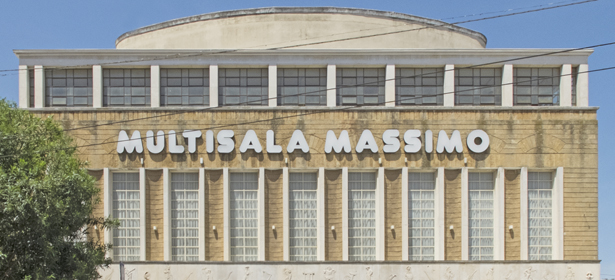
(330, 143)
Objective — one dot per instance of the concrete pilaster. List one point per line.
(449, 85)
(331, 85)
(507, 85)
(155, 85)
(583, 86)
(39, 86)
(97, 86)
(213, 85)
(389, 86)
(24, 86)
(565, 86)
(273, 86)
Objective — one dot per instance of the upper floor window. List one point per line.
(184, 87)
(478, 86)
(303, 87)
(575, 72)
(536, 86)
(31, 87)
(244, 87)
(126, 87)
(68, 87)
(416, 86)
(360, 86)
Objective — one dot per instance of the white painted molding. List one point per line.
(565, 86)
(213, 85)
(331, 85)
(405, 231)
(507, 85)
(286, 214)
(583, 86)
(227, 222)
(464, 215)
(558, 214)
(143, 216)
(344, 213)
(155, 86)
(39, 86)
(202, 227)
(499, 229)
(389, 86)
(166, 216)
(320, 254)
(273, 86)
(261, 214)
(97, 86)
(24, 86)
(524, 227)
(380, 222)
(440, 227)
(449, 85)
(108, 208)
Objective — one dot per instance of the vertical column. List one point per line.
(261, 214)
(523, 230)
(166, 216)
(380, 226)
(565, 86)
(498, 216)
(440, 227)
(583, 86)
(227, 221)
(97, 86)
(142, 209)
(507, 85)
(39, 86)
(108, 204)
(273, 86)
(202, 227)
(320, 254)
(285, 210)
(24, 86)
(213, 86)
(449, 85)
(558, 215)
(464, 214)
(155, 85)
(345, 213)
(331, 85)
(389, 86)
(404, 214)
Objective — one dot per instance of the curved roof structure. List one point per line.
(304, 28)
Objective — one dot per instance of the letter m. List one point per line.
(129, 144)
(454, 143)
(333, 143)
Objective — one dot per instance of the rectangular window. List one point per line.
(360, 86)
(126, 87)
(421, 216)
(31, 87)
(540, 210)
(68, 88)
(126, 208)
(536, 86)
(184, 87)
(185, 216)
(244, 87)
(302, 87)
(361, 216)
(575, 72)
(419, 87)
(481, 192)
(479, 86)
(303, 210)
(244, 216)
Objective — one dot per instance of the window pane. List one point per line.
(538, 86)
(360, 86)
(126, 208)
(243, 87)
(68, 87)
(244, 216)
(185, 216)
(421, 215)
(303, 209)
(540, 220)
(184, 87)
(361, 216)
(419, 86)
(480, 226)
(126, 87)
(302, 87)
(480, 86)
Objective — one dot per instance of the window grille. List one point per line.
(421, 216)
(68, 88)
(480, 187)
(302, 87)
(31, 87)
(245, 87)
(126, 87)
(361, 216)
(184, 87)
(536, 86)
(244, 216)
(416, 86)
(540, 210)
(126, 208)
(360, 86)
(185, 216)
(303, 216)
(574, 73)
(479, 86)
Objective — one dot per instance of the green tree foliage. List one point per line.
(46, 201)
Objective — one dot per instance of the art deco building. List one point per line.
(330, 143)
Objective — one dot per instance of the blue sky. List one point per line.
(68, 24)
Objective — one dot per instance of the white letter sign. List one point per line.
(297, 141)
(129, 144)
(454, 143)
(250, 141)
(367, 141)
(336, 144)
(484, 141)
(153, 147)
(225, 141)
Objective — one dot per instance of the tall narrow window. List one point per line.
(360, 86)
(361, 216)
(540, 204)
(126, 208)
(31, 87)
(243, 87)
(68, 88)
(302, 87)
(185, 216)
(126, 87)
(575, 73)
(480, 86)
(184, 87)
(244, 216)
(536, 86)
(480, 187)
(421, 216)
(303, 217)
(419, 87)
